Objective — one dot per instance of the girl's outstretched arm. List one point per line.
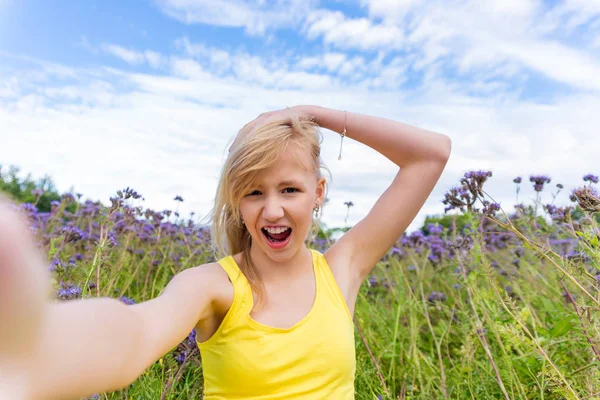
(67, 350)
(101, 344)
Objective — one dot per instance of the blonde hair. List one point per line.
(251, 155)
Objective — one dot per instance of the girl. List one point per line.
(273, 317)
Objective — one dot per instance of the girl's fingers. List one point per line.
(263, 119)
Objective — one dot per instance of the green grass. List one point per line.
(481, 342)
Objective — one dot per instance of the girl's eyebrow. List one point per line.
(286, 183)
(290, 183)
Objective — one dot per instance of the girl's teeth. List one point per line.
(276, 230)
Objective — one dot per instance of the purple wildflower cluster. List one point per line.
(558, 214)
(156, 246)
(465, 196)
(186, 349)
(539, 181)
(591, 178)
(434, 245)
(587, 197)
(145, 231)
(436, 297)
(69, 292)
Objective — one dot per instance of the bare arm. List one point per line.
(421, 156)
(101, 344)
(65, 350)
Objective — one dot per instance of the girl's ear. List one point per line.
(320, 192)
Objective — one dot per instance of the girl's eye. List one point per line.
(286, 190)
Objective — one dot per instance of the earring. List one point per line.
(316, 210)
(242, 220)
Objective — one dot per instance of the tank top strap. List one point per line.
(328, 282)
(242, 292)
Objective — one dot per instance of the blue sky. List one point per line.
(107, 94)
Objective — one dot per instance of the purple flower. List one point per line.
(558, 214)
(590, 178)
(73, 234)
(464, 197)
(436, 296)
(127, 193)
(539, 181)
(127, 300)
(112, 239)
(517, 179)
(434, 229)
(68, 198)
(180, 358)
(519, 252)
(69, 293)
(178, 198)
(577, 256)
(587, 197)
(490, 208)
(398, 251)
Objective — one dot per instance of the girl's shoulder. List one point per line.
(221, 286)
(215, 280)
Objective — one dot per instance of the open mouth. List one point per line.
(277, 237)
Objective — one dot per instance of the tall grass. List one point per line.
(506, 308)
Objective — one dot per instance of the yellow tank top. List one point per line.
(314, 359)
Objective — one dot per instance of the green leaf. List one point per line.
(561, 328)
(594, 242)
(548, 305)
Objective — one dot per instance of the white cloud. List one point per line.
(503, 37)
(359, 33)
(132, 57)
(389, 9)
(333, 61)
(217, 58)
(129, 56)
(190, 69)
(167, 136)
(153, 58)
(255, 16)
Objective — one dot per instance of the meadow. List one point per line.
(478, 305)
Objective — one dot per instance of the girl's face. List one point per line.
(278, 210)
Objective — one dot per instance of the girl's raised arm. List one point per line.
(421, 156)
(72, 349)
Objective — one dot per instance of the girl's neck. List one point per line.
(274, 270)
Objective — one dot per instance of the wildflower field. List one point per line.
(479, 304)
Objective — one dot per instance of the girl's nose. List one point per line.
(272, 210)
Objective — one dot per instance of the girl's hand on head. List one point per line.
(266, 117)
(24, 290)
